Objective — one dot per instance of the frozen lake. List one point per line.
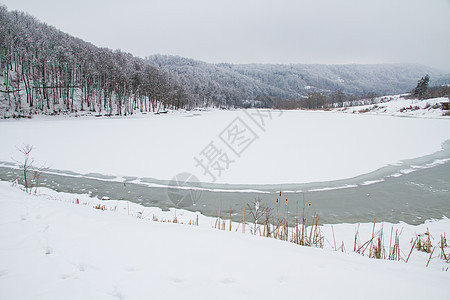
(228, 147)
(351, 168)
(411, 192)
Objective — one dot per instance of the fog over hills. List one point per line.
(247, 81)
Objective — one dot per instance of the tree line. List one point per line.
(314, 100)
(43, 70)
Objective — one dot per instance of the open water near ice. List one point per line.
(412, 191)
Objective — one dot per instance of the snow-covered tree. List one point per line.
(422, 87)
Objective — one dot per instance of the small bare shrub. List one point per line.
(100, 207)
(423, 242)
(31, 173)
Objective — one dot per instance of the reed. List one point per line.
(423, 242)
(443, 245)
(266, 223)
(394, 246)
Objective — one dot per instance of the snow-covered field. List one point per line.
(58, 246)
(54, 246)
(253, 146)
(401, 107)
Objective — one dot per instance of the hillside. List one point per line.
(358, 80)
(248, 81)
(46, 71)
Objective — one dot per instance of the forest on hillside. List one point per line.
(46, 71)
(296, 85)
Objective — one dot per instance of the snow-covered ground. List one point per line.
(242, 146)
(54, 246)
(59, 246)
(402, 107)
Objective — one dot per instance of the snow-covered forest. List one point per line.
(267, 83)
(43, 70)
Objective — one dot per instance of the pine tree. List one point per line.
(422, 87)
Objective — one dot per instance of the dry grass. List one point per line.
(394, 246)
(273, 223)
(443, 245)
(423, 242)
(100, 207)
(268, 223)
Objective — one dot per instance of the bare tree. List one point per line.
(31, 173)
(27, 163)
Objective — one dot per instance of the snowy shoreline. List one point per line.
(73, 246)
(61, 247)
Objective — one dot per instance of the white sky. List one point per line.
(264, 31)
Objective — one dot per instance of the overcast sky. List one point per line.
(262, 31)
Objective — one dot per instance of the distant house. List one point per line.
(445, 108)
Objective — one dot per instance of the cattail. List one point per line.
(257, 205)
